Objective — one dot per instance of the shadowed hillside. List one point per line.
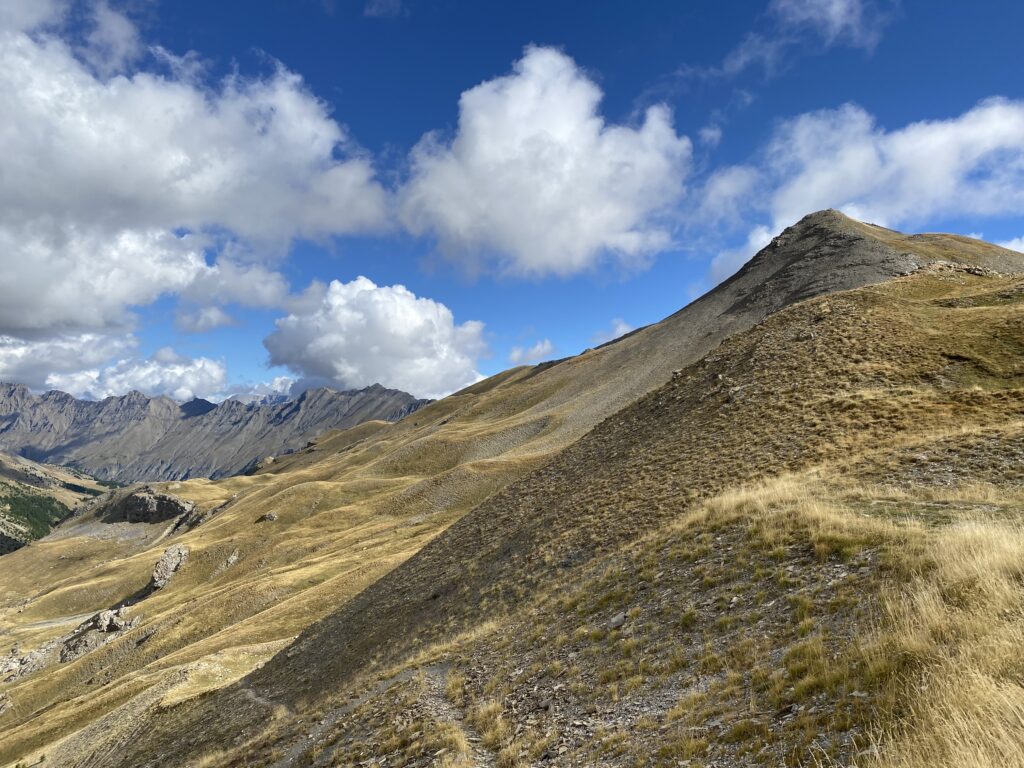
(455, 541)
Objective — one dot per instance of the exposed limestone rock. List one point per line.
(97, 631)
(19, 664)
(147, 505)
(172, 559)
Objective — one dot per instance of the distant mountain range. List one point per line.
(134, 437)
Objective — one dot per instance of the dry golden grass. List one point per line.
(959, 624)
(831, 380)
(951, 636)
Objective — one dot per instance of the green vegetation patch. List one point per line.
(36, 512)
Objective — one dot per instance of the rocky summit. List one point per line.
(134, 437)
(779, 527)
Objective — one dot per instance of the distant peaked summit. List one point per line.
(134, 437)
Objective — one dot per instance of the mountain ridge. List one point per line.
(318, 574)
(134, 437)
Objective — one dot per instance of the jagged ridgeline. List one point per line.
(137, 438)
(777, 527)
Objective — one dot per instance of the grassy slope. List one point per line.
(363, 502)
(873, 604)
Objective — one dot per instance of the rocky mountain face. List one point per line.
(134, 437)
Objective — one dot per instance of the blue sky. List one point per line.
(185, 180)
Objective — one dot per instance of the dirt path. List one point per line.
(433, 701)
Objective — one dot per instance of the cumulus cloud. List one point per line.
(165, 373)
(62, 277)
(972, 164)
(101, 177)
(1016, 244)
(251, 285)
(535, 178)
(121, 186)
(542, 350)
(361, 334)
(261, 158)
(21, 15)
(619, 327)
(34, 362)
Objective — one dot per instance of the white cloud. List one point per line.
(33, 362)
(113, 43)
(619, 327)
(728, 261)
(251, 285)
(1016, 244)
(710, 135)
(972, 164)
(203, 319)
(166, 373)
(535, 178)
(102, 176)
(857, 23)
(20, 15)
(725, 193)
(63, 277)
(120, 186)
(542, 350)
(799, 25)
(362, 334)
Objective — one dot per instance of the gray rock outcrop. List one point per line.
(169, 563)
(147, 505)
(96, 631)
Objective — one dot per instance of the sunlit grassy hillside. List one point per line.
(418, 573)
